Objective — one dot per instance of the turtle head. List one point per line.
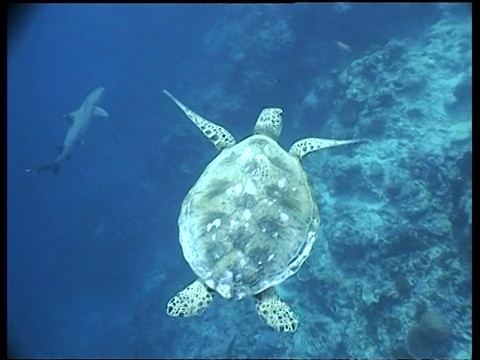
(269, 123)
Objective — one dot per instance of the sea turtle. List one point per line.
(250, 220)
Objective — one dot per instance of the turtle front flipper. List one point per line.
(306, 146)
(220, 137)
(191, 301)
(275, 312)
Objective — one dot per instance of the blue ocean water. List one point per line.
(92, 252)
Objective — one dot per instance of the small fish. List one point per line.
(343, 47)
(79, 121)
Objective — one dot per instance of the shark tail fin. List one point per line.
(53, 166)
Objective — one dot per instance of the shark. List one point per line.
(79, 122)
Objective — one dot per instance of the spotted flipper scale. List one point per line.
(274, 312)
(191, 301)
(220, 137)
(306, 146)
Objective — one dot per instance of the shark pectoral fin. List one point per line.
(98, 111)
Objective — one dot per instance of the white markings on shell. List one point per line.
(237, 189)
(223, 286)
(250, 187)
(247, 214)
(270, 257)
(234, 190)
(284, 217)
(282, 182)
(243, 262)
(261, 157)
(247, 154)
(228, 276)
(215, 223)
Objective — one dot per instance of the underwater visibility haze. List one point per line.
(99, 160)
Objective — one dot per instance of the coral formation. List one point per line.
(426, 338)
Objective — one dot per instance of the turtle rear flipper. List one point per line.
(219, 136)
(191, 301)
(275, 312)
